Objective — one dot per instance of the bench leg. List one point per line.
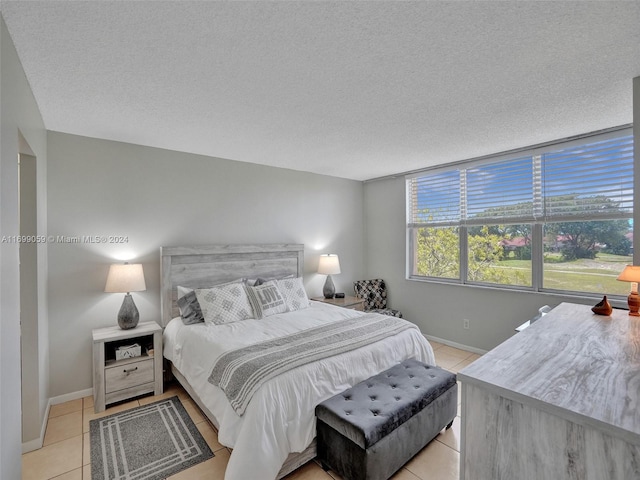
(449, 426)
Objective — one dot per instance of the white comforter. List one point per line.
(280, 418)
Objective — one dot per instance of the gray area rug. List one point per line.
(151, 442)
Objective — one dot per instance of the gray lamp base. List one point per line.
(128, 315)
(329, 289)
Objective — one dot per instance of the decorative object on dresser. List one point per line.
(151, 442)
(631, 273)
(374, 294)
(542, 311)
(329, 264)
(119, 376)
(369, 431)
(125, 279)
(353, 303)
(559, 401)
(603, 307)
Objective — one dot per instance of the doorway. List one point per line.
(28, 248)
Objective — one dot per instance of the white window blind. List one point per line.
(502, 191)
(434, 199)
(591, 180)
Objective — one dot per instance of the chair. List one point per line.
(374, 293)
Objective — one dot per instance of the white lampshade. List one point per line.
(631, 273)
(125, 278)
(329, 264)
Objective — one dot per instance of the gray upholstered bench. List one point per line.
(371, 430)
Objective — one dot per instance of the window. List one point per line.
(557, 217)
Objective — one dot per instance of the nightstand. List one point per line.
(117, 380)
(354, 303)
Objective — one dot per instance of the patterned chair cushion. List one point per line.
(374, 293)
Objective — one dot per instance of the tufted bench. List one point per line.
(372, 429)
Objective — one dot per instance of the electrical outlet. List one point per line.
(465, 324)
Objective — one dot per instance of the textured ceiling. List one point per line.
(350, 89)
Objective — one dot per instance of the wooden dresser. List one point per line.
(560, 400)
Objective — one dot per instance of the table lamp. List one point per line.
(329, 264)
(124, 279)
(631, 273)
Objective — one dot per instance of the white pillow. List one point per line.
(292, 289)
(224, 303)
(266, 300)
(182, 291)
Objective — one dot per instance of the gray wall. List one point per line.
(19, 117)
(439, 309)
(159, 197)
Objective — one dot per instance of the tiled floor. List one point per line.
(65, 454)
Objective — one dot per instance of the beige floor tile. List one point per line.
(87, 402)
(455, 352)
(404, 474)
(210, 436)
(451, 437)
(88, 414)
(435, 461)
(193, 411)
(334, 475)
(63, 427)
(436, 345)
(66, 407)
(465, 363)
(176, 389)
(86, 449)
(309, 471)
(72, 475)
(445, 359)
(86, 472)
(212, 469)
(53, 460)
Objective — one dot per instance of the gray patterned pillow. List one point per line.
(224, 303)
(190, 309)
(294, 294)
(266, 300)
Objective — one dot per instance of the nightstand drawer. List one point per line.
(129, 374)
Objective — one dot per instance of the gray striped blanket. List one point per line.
(241, 372)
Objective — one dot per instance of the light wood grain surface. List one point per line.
(203, 266)
(559, 400)
(571, 361)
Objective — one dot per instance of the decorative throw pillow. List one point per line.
(262, 280)
(224, 303)
(294, 294)
(266, 300)
(190, 308)
(182, 291)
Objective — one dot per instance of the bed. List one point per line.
(275, 434)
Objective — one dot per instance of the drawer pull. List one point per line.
(129, 370)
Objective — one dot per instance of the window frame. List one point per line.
(538, 220)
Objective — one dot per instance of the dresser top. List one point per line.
(572, 363)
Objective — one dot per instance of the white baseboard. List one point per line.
(67, 397)
(37, 443)
(456, 345)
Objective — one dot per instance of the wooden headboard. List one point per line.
(203, 266)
